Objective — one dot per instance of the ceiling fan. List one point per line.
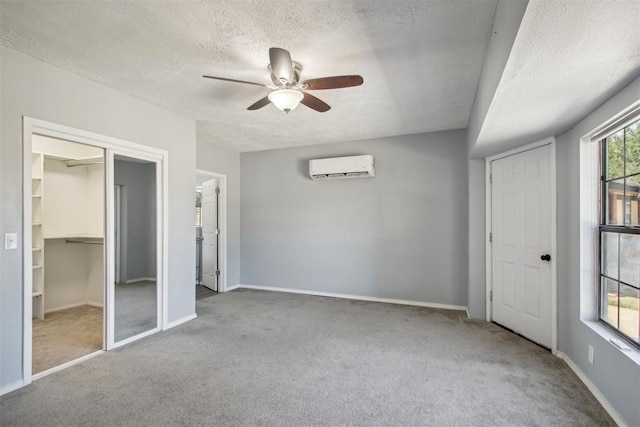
(288, 90)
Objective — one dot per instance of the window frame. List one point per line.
(618, 229)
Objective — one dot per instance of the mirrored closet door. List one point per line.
(135, 277)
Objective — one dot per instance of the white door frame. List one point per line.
(222, 222)
(31, 126)
(161, 203)
(117, 204)
(554, 257)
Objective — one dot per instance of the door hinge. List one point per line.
(217, 231)
(490, 295)
(490, 178)
(217, 190)
(217, 272)
(490, 237)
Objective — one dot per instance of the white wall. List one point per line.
(35, 89)
(215, 159)
(73, 200)
(506, 24)
(95, 200)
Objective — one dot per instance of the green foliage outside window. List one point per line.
(616, 154)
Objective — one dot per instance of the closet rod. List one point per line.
(85, 241)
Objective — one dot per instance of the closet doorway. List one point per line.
(210, 233)
(69, 244)
(67, 191)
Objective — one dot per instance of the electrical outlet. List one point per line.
(590, 355)
(11, 241)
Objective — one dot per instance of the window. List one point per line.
(198, 205)
(620, 232)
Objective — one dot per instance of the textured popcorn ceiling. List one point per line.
(568, 58)
(420, 60)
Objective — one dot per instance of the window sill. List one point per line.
(614, 340)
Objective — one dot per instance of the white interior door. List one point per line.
(209, 234)
(521, 243)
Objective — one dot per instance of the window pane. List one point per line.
(615, 202)
(615, 158)
(629, 318)
(630, 259)
(610, 254)
(609, 307)
(632, 203)
(632, 142)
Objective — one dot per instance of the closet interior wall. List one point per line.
(72, 223)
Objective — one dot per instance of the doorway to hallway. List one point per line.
(210, 222)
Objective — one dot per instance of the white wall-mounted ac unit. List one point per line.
(342, 167)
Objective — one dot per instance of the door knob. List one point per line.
(546, 257)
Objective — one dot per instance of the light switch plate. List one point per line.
(11, 241)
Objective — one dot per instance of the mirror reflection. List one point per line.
(135, 247)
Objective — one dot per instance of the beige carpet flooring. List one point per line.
(66, 335)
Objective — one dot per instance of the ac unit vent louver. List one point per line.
(342, 167)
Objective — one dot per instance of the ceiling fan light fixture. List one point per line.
(286, 99)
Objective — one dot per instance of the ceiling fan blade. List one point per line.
(335, 82)
(315, 103)
(281, 64)
(261, 103)
(235, 81)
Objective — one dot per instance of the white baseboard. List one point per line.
(181, 321)
(78, 304)
(66, 365)
(231, 288)
(593, 389)
(357, 297)
(141, 279)
(11, 387)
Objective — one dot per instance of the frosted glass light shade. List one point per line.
(286, 99)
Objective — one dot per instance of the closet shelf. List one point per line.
(76, 237)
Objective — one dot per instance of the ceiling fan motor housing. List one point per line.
(297, 71)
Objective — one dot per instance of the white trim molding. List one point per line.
(593, 389)
(141, 279)
(357, 297)
(180, 321)
(11, 387)
(67, 364)
(551, 141)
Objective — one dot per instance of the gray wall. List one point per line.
(401, 235)
(476, 301)
(138, 181)
(615, 375)
(219, 160)
(35, 89)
